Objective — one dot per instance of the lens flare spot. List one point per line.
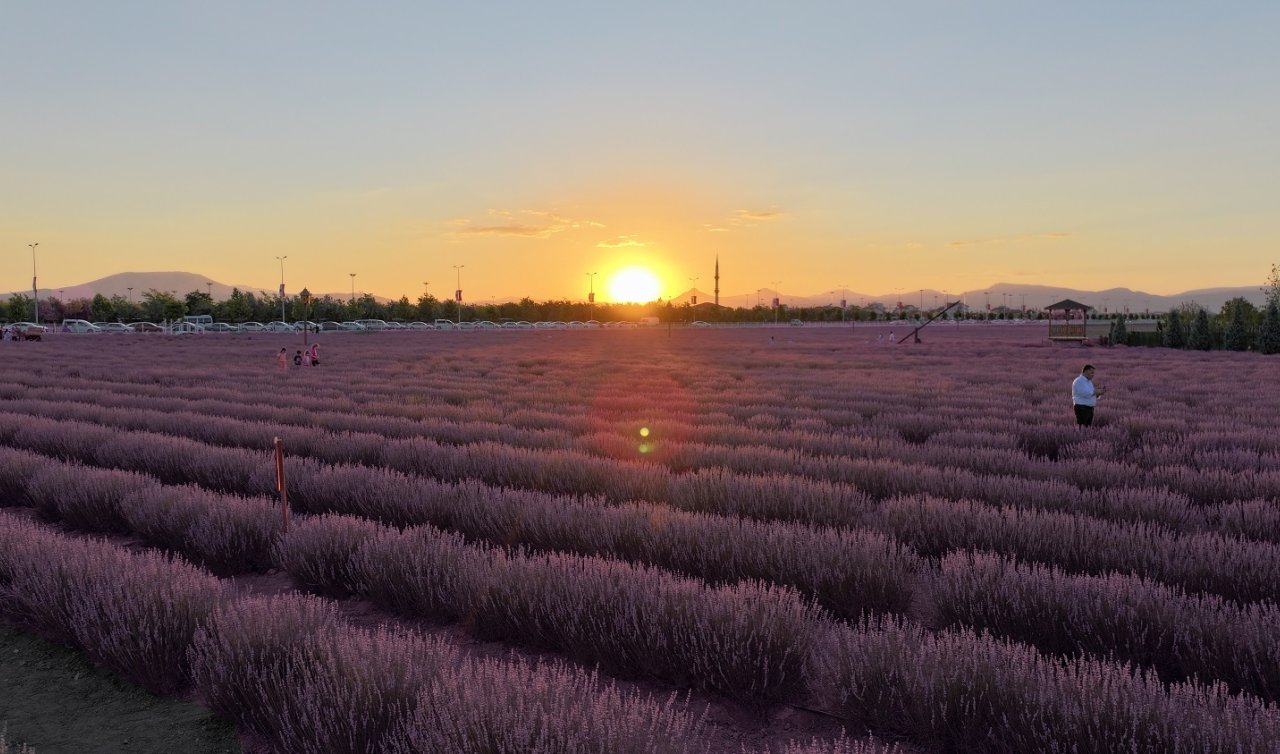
(645, 447)
(644, 431)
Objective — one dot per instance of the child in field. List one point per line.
(282, 360)
(297, 358)
(313, 355)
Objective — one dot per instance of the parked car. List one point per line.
(393, 326)
(79, 326)
(699, 323)
(372, 324)
(329, 325)
(445, 324)
(797, 323)
(116, 327)
(185, 328)
(253, 327)
(145, 327)
(28, 330)
(305, 324)
(352, 327)
(278, 326)
(221, 327)
(420, 326)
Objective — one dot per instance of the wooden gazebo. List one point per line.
(1068, 320)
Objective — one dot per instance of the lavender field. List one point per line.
(658, 540)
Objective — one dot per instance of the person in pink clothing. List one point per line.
(282, 360)
(313, 355)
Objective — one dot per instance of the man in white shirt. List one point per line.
(1084, 396)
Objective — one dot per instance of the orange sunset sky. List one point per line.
(815, 145)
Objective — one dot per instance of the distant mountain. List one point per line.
(179, 283)
(1012, 295)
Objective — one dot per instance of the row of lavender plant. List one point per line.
(1127, 618)
(849, 572)
(522, 468)
(1096, 475)
(953, 691)
(747, 640)
(1202, 562)
(959, 691)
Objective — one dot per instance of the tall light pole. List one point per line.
(208, 286)
(777, 300)
(591, 295)
(988, 295)
(457, 292)
(353, 286)
(425, 283)
(286, 256)
(35, 297)
(693, 297)
(130, 289)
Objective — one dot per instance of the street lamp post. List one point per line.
(777, 300)
(35, 297)
(591, 295)
(988, 295)
(286, 256)
(353, 286)
(457, 292)
(130, 289)
(844, 299)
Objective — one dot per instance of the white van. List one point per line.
(372, 324)
(79, 325)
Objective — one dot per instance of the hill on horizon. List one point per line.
(1014, 296)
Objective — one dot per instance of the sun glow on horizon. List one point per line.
(634, 285)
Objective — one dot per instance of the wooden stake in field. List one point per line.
(280, 489)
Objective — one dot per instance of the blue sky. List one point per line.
(882, 146)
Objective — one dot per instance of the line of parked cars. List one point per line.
(204, 323)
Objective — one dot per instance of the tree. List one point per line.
(101, 309)
(1201, 337)
(1238, 313)
(199, 302)
(1269, 333)
(1119, 333)
(238, 307)
(1173, 337)
(1272, 288)
(19, 308)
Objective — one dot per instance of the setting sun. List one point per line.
(634, 285)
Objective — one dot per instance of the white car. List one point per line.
(253, 327)
(118, 327)
(79, 325)
(185, 328)
(351, 327)
(221, 327)
(699, 323)
(278, 326)
(420, 326)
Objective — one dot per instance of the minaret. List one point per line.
(717, 279)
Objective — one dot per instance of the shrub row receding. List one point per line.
(289, 669)
(1126, 618)
(746, 640)
(849, 572)
(135, 612)
(1222, 565)
(964, 692)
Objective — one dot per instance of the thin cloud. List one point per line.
(758, 214)
(620, 242)
(546, 224)
(1051, 236)
(714, 228)
(915, 245)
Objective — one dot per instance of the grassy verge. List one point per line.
(55, 700)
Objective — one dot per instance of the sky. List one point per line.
(518, 147)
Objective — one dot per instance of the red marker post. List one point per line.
(280, 488)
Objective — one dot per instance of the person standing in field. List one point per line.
(1084, 396)
(313, 355)
(282, 360)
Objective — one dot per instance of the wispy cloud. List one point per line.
(914, 245)
(708, 227)
(758, 214)
(620, 242)
(1053, 236)
(537, 224)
